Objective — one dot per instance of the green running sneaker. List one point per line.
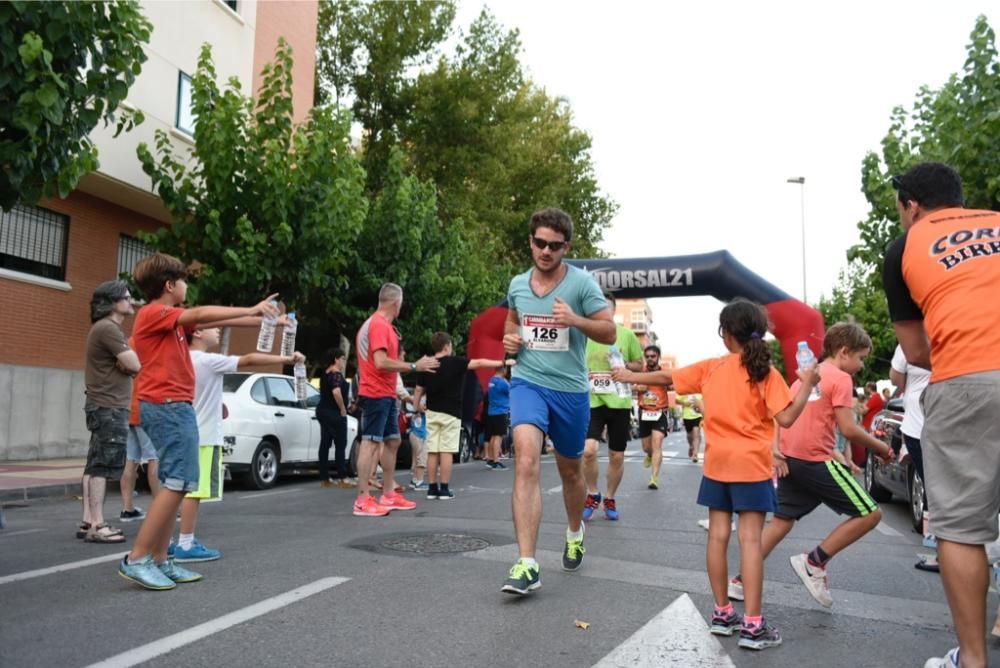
(573, 553)
(522, 579)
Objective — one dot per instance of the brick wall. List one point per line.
(43, 326)
(296, 22)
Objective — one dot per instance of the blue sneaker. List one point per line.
(177, 573)
(145, 574)
(590, 505)
(197, 552)
(610, 509)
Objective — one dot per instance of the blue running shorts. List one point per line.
(564, 416)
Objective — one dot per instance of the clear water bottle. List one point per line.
(265, 340)
(300, 381)
(288, 336)
(806, 360)
(617, 361)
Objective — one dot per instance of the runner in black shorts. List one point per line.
(692, 423)
(654, 423)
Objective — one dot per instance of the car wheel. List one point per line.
(464, 447)
(264, 465)
(352, 457)
(877, 491)
(918, 500)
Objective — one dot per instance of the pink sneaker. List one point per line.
(396, 501)
(365, 506)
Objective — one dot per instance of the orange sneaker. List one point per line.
(365, 506)
(396, 501)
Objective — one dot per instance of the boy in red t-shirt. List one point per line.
(165, 390)
(809, 473)
(744, 396)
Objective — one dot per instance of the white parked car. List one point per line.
(267, 428)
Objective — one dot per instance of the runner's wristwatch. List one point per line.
(413, 366)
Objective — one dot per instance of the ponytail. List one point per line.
(756, 359)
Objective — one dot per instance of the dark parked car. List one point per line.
(898, 478)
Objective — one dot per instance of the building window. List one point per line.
(231, 4)
(130, 251)
(185, 117)
(33, 241)
(638, 315)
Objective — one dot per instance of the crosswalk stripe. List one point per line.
(677, 636)
(27, 575)
(162, 646)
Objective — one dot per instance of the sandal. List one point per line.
(83, 527)
(105, 534)
(927, 563)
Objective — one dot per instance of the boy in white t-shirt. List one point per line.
(209, 368)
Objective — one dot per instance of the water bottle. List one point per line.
(616, 361)
(300, 381)
(288, 336)
(806, 360)
(265, 340)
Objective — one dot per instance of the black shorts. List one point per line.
(496, 425)
(108, 438)
(617, 420)
(809, 484)
(691, 425)
(646, 427)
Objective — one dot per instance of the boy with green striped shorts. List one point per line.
(808, 472)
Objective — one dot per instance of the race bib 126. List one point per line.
(542, 332)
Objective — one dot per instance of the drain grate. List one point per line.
(435, 543)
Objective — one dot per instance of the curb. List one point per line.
(39, 492)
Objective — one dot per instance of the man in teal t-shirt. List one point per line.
(554, 309)
(610, 408)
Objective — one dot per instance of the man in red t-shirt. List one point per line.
(379, 366)
(873, 404)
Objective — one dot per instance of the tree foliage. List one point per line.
(469, 129)
(64, 67)
(263, 205)
(959, 124)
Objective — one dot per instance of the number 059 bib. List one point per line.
(543, 333)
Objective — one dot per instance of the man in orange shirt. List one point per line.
(808, 473)
(654, 402)
(941, 282)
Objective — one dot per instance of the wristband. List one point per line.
(413, 366)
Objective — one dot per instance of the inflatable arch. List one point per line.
(716, 274)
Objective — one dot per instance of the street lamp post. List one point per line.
(801, 181)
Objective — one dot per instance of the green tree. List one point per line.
(499, 148)
(445, 281)
(265, 205)
(959, 124)
(64, 67)
(854, 299)
(365, 52)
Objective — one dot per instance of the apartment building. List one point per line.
(53, 255)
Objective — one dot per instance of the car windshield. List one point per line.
(232, 381)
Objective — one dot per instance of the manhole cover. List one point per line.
(435, 543)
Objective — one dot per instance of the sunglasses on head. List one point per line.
(542, 244)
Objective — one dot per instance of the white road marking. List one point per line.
(554, 490)
(678, 636)
(924, 614)
(257, 495)
(886, 530)
(27, 575)
(162, 646)
(21, 532)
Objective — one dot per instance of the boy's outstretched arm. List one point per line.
(263, 359)
(192, 317)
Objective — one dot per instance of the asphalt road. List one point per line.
(304, 583)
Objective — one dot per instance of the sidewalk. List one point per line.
(47, 478)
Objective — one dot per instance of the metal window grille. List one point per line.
(33, 241)
(130, 251)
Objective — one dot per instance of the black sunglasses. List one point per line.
(905, 193)
(542, 244)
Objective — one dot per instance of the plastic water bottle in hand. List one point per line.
(265, 340)
(617, 361)
(300, 381)
(288, 336)
(806, 360)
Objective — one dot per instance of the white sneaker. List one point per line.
(704, 525)
(813, 578)
(735, 589)
(949, 660)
